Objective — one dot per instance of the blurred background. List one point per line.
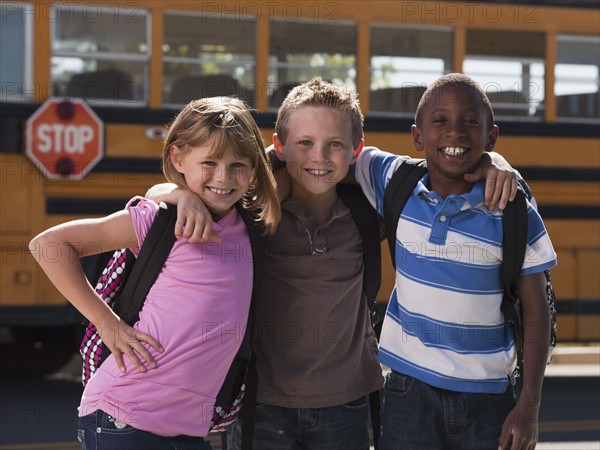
(86, 89)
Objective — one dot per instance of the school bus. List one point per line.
(136, 63)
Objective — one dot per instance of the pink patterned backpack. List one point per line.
(92, 350)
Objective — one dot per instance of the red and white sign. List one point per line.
(65, 139)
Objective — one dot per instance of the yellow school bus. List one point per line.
(136, 63)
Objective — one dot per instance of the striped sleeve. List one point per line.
(539, 254)
(373, 171)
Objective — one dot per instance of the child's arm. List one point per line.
(58, 250)
(194, 220)
(522, 422)
(501, 178)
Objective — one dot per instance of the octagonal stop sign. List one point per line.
(64, 139)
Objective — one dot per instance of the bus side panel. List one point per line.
(588, 283)
(21, 197)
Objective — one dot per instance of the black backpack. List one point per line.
(514, 224)
(367, 221)
(123, 279)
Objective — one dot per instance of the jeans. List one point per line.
(99, 431)
(344, 427)
(417, 416)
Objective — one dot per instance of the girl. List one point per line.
(193, 320)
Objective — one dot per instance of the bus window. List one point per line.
(577, 74)
(208, 56)
(404, 61)
(509, 65)
(15, 59)
(300, 51)
(100, 54)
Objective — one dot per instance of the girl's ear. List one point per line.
(278, 147)
(357, 150)
(417, 138)
(176, 156)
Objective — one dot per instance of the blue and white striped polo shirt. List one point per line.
(443, 324)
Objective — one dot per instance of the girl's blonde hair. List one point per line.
(226, 123)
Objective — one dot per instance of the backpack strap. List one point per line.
(397, 193)
(152, 256)
(550, 295)
(367, 221)
(514, 227)
(256, 233)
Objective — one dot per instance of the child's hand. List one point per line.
(122, 339)
(500, 180)
(522, 425)
(194, 220)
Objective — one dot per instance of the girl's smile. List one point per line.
(220, 181)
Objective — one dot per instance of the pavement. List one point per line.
(567, 361)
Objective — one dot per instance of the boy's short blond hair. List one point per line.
(318, 92)
(454, 79)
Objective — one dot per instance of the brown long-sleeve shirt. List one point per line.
(315, 345)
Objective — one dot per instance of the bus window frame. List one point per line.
(26, 12)
(407, 26)
(188, 60)
(506, 54)
(273, 67)
(578, 38)
(498, 106)
(144, 58)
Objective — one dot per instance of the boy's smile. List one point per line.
(454, 131)
(318, 150)
(453, 151)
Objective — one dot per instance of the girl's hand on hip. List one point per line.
(122, 339)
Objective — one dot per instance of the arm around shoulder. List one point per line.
(194, 220)
(164, 192)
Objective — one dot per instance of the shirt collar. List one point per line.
(471, 199)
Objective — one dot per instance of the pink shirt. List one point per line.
(197, 309)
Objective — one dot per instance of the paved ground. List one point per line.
(581, 363)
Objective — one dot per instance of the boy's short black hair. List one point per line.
(455, 79)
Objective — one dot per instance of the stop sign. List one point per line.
(64, 139)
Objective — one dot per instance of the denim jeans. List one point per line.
(416, 416)
(99, 431)
(344, 427)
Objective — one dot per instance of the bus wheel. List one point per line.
(36, 351)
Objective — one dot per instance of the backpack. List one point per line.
(514, 224)
(126, 277)
(366, 220)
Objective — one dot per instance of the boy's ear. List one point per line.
(417, 138)
(278, 147)
(492, 138)
(357, 150)
(176, 158)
